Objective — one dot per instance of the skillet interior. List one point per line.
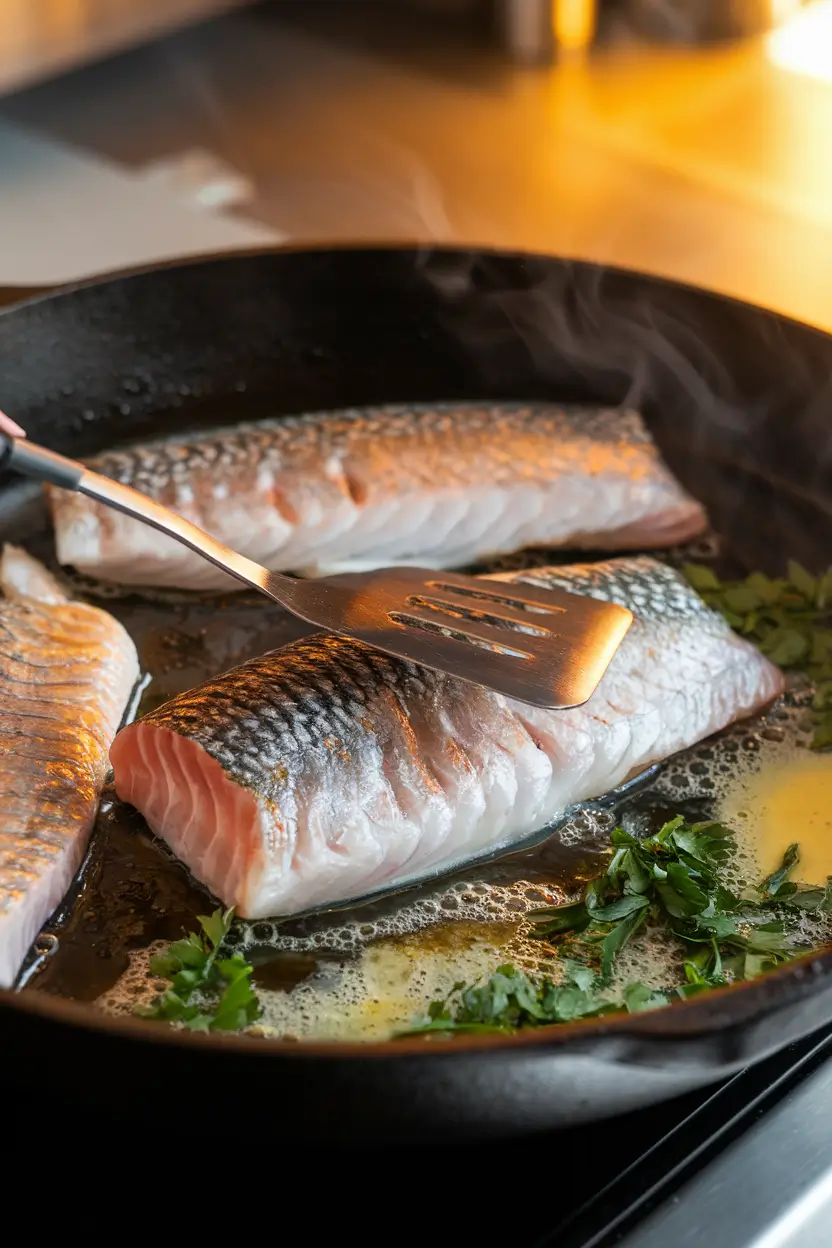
(736, 399)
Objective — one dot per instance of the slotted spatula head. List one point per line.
(546, 647)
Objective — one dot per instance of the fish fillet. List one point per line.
(355, 490)
(66, 675)
(326, 771)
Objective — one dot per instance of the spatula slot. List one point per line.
(469, 635)
(456, 610)
(518, 602)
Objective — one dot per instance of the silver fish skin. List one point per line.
(67, 671)
(444, 486)
(326, 771)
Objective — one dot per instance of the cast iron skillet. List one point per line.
(739, 402)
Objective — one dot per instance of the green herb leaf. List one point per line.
(638, 997)
(742, 599)
(708, 843)
(216, 926)
(716, 926)
(771, 886)
(623, 839)
(786, 647)
(757, 964)
(619, 909)
(802, 580)
(680, 895)
(188, 952)
(205, 993)
(557, 919)
(823, 734)
(164, 965)
(582, 977)
(700, 576)
(767, 591)
(810, 899)
(613, 943)
(238, 1005)
(665, 832)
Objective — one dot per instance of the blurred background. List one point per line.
(690, 138)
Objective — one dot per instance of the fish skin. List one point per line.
(67, 671)
(445, 485)
(325, 771)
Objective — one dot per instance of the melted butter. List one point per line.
(372, 996)
(786, 797)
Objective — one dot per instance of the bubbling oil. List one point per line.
(363, 975)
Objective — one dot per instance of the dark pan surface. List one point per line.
(738, 400)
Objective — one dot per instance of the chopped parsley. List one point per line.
(671, 880)
(789, 619)
(207, 992)
(511, 999)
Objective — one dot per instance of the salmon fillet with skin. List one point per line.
(326, 771)
(443, 486)
(67, 672)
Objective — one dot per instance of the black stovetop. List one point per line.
(648, 1158)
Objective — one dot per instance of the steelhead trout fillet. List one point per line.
(358, 490)
(325, 772)
(67, 672)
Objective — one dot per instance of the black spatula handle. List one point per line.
(21, 455)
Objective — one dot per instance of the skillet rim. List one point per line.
(41, 293)
(762, 997)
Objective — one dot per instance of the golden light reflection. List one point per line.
(804, 44)
(574, 23)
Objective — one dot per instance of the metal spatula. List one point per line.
(541, 646)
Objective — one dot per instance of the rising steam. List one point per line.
(739, 400)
